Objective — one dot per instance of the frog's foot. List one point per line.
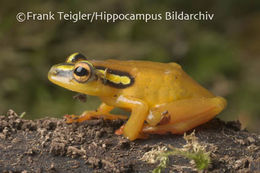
(71, 118)
(87, 115)
(120, 131)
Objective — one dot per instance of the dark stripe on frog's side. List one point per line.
(78, 57)
(119, 73)
(75, 58)
(65, 63)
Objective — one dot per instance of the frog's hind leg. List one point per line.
(181, 116)
(102, 112)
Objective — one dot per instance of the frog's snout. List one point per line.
(61, 73)
(53, 73)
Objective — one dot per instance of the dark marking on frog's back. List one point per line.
(119, 73)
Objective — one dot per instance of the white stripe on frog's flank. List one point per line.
(124, 99)
(150, 115)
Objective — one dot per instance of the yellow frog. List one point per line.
(161, 96)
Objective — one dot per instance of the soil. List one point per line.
(51, 145)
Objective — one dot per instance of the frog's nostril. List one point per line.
(53, 71)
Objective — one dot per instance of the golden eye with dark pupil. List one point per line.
(80, 71)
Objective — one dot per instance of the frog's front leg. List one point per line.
(101, 112)
(139, 111)
(183, 115)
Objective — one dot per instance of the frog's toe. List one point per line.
(71, 118)
(120, 131)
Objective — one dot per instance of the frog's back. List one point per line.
(156, 82)
(169, 82)
(131, 64)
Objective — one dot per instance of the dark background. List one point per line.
(222, 54)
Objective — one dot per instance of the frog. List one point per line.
(161, 97)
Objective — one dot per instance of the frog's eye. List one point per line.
(75, 57)
(83, 72)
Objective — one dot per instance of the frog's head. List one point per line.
(76, 74)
